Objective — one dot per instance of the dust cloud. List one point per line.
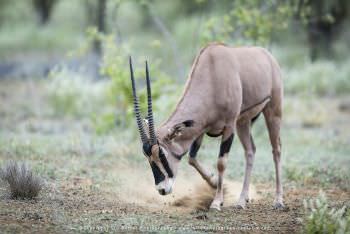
(190, 191)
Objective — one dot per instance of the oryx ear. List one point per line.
(177, 129)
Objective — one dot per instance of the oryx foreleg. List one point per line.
(205, 173)
(225, 146)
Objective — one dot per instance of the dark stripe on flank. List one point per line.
(165, 164)
(214, 135)
(226, 145)
(157, 173)
(246, 109)
(255, 118)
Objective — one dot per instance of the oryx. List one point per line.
(226, 90)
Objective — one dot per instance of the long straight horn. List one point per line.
(143, 135)
(152, 133)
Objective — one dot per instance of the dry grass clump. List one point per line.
(23, 184)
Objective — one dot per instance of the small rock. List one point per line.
(344, 106)
(202, 217)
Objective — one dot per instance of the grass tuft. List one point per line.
(23, 184)
(323, 219)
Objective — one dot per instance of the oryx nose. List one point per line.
(161, 191)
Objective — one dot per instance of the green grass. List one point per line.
(29, 38)
(307, 156)
(321, 78)
(20, 32)
(321, 218)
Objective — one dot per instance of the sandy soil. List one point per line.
(73, 207)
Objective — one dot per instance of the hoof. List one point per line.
(216, 205)
(239, 206)
(278, 206)
(214, 208)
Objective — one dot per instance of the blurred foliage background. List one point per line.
(82, 46)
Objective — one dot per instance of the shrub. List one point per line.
(321, 78)
(108, 103)
(323, 219)
(71, 94)
(244, 22)
(21, 180)
(115, 66)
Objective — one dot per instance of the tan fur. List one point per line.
(224, 81)
(226, 88)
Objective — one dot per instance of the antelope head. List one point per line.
(163, 161)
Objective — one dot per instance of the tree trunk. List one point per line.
(100, 23)
(323, 24)
(44, 9)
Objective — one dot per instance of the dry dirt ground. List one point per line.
(79, 199)
(75, 208)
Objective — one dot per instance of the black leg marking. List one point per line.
(157, 173)
(194, 149)
(226, 145)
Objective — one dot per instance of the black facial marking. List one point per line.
(194, 149)
(147, 149)
(157, 173)
(165, 164)
(255, 118)
(226, 145)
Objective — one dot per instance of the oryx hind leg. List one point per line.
(208, 176)
(244, 134)
(273, 117)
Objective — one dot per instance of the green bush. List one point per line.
(320, 218)
(108, 103)
(249, 22)
(321, 78)
(71, 94)
(115, 66)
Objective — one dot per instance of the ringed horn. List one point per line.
(145, 141)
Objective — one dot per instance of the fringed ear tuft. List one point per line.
(177, 129)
